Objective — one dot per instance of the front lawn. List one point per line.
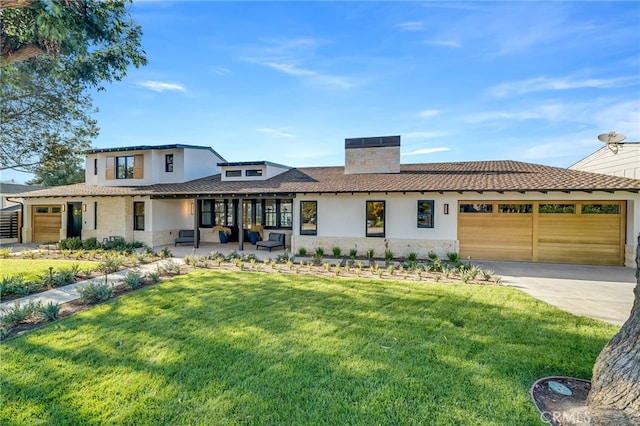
(32, 269)
(218, 347)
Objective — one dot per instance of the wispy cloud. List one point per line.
(424, 151)
(161, 86)
(276, 132)
(443, 43)
(313, 76)
(555, 84)
(221, 71)
(429, 113)
(411, 26)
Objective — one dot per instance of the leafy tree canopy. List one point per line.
(51, 53)
(55, 173)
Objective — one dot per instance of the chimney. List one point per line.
(379, 154)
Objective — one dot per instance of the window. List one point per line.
(308, 218)
(375, 219)
(168, 163)
(476, 208)
(42, 209)
(233, 173)
(270, 214)
(515, 208)
(138, 215)
(600, 209)
(95, 166)
(124, 167)
(286, 213)
(253, 172)
(425, 213)
(95, 215)
(206, 213)
(557, 208)
(219, 215)
(57, 210)
(247, 213)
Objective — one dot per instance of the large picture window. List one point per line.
(138, 215)
(308, 218)
(375, 219)
(425, 213)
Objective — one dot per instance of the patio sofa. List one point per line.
(186, 236)
(276, 239)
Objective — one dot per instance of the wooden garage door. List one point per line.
(47, 221)
(583, 232)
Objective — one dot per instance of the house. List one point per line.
(619, 159)
(11, 210)
(494, 210)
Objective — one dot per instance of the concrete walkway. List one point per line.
(601, 292)
(69, 292)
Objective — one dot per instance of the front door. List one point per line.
(74, 220)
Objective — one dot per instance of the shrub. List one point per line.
(5, 252)
(165, 253)
(73, 243)
(154, 277)
(18, 313)
(319, 252)
(413, 257)
(282, 258)
(133, 279)
(171, 267)
(432, 256)
(110, 264)
(370, 254)
(302, 251)
(337, 251)
(95, 292)
(388, 255)
(91, 244)
(353, 253)
(63, 277)
(16, 285)
(453, 257)
(49, 311)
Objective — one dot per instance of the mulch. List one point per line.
(555, 408)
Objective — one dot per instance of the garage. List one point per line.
(581, 232)
(46, 223)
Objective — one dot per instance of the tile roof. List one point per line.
(444, 177)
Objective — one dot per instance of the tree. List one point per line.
(614, 398)
(51, 53)
(55, 173)
(42, 117)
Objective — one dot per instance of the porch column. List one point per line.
(196, 221)
(240, 225)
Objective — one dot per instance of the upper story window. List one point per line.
(233, 173)
(124, 167)
(253, 172)
(168, 163)
(95, 166)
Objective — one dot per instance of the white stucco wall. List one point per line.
(200, 163)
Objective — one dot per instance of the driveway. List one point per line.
(601, 292)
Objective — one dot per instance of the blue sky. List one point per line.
(289, 81)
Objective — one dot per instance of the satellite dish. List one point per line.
(611, 137)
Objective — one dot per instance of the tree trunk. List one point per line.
(614, 398)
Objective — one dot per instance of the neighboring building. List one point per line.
(621, 159)
(10, 210)
(497, 210)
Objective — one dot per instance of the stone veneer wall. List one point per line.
(630, 256)
(372, 160)
(399, 247)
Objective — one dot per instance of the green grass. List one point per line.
(33, 268)
(246, 348)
